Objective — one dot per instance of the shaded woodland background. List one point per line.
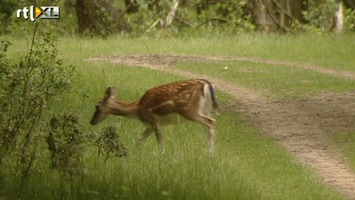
(138, 17)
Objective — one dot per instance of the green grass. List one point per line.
(330, 51)
(246, 165)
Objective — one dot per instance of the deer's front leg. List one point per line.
(159, 136)
(148, 131)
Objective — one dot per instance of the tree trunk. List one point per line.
(339, 16)
(99, 17)
(276, 15)
(87, 16)
(262, 13)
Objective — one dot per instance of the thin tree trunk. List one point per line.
(339, 16)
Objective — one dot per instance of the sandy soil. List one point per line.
(301, 125)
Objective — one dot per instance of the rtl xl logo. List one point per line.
(35, 12)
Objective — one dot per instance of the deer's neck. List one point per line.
(124, 109)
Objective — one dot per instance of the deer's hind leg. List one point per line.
(207, 122)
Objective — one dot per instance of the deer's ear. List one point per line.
(111, 92)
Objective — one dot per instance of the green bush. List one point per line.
(26, 87)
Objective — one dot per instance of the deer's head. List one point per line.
(102, 110)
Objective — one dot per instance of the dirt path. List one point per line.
(299, 125)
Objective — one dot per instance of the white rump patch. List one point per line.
(205, 103)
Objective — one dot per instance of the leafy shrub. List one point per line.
(321, 17)
(26, 87)
(65, 139)
(349, 19)
(110, 144)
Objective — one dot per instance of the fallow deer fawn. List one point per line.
(162, 105)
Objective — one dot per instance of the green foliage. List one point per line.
(320, 16)
(64, 140)
(6, 14)
(226, 16)
(26, 87)
(151, 16)
(110, 144)
(349, 20)
(197, 17)
(219, 17)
